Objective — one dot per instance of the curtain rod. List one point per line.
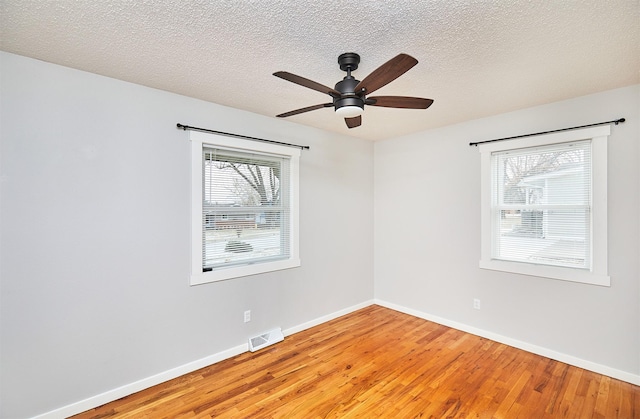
(187, 127)
(615, 121)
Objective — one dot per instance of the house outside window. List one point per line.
(544, 206)
(244, 208)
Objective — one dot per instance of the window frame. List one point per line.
(198, 141)
(598, 273)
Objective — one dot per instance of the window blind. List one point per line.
(245, 207)
(541, 204)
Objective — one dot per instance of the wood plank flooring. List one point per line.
(379, 363)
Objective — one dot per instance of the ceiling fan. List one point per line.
(350, 95)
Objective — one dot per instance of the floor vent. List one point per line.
(265, 339)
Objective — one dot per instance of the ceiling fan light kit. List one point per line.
(349, 111)
(350, 95)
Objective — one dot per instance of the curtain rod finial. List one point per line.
(620, 120)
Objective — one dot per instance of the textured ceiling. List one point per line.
(476, 58)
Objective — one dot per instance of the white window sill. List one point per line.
(544, 271)
(222, 274)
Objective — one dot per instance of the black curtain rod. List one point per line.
(615, 121)
(187, 127)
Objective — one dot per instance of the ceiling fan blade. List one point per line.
(399, 102)
(307, 83)
(386, 73)
(303, 110)
(354, 122)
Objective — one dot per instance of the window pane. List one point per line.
(541, 204)
(245, 208)
(549, 237)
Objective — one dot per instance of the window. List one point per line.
(244, 207)
(544, 206)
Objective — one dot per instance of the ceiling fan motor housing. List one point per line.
(348, 98)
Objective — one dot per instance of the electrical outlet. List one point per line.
(247, 316)
(476, 303)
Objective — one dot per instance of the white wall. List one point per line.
(94, 262)
(427, 238)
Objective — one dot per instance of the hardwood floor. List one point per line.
(379, 363)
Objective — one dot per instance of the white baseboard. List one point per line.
(117, 393)
(324, 319)
(538, 350)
